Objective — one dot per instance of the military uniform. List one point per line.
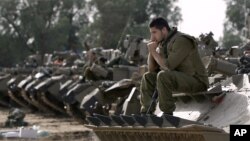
(244, 67)
(97, 71)
(186, 72)
(88, 74)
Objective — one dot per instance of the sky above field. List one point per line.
(202, 16)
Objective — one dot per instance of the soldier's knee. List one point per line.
(165, 77)
(148, 80)
(148, 75)
(162, 75)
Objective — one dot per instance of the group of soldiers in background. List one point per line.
(97, 63)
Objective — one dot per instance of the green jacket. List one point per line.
(181, 54)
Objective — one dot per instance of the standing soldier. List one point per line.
(174, 64)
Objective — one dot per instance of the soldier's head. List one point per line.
(91, 55)
(94, 53)
(159, 29)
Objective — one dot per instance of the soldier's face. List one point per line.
(158, 35)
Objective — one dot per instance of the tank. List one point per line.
(198, 116)
(14, 91)
(30, 93)
(112, 108)
(202, 116)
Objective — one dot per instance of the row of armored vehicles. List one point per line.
(106, 84)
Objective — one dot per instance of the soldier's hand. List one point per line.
(152, 45)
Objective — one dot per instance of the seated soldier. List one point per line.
(95, 68)
(132, 57)
(245, 63)
(174, 64)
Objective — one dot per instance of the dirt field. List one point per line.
(59, 128)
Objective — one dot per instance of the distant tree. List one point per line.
(42, 25)
(115, 18)
(76, 12)
(10, 52)
(235, 22)
(28, 26)
(166, 9)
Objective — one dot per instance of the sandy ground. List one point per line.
(59, 128)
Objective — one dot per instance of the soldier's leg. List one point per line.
(148, 85)
(169, 81)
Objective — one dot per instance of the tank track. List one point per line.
(39, 105)
(77, 115)
(34, 102)
(50, 104)
(14, 98)
(152, 128)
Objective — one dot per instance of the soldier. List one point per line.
(244, 67)
(95, 69)
(174, 65)
(58, 61)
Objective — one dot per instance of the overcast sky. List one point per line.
(202, 16)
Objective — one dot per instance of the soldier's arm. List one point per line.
(152, 65)
(159, 60)
(155, 56)
(180, 50)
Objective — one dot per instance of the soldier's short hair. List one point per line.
(159, 23)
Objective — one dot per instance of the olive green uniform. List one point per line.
(92, 75)
(186, 72)
(88, 74)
